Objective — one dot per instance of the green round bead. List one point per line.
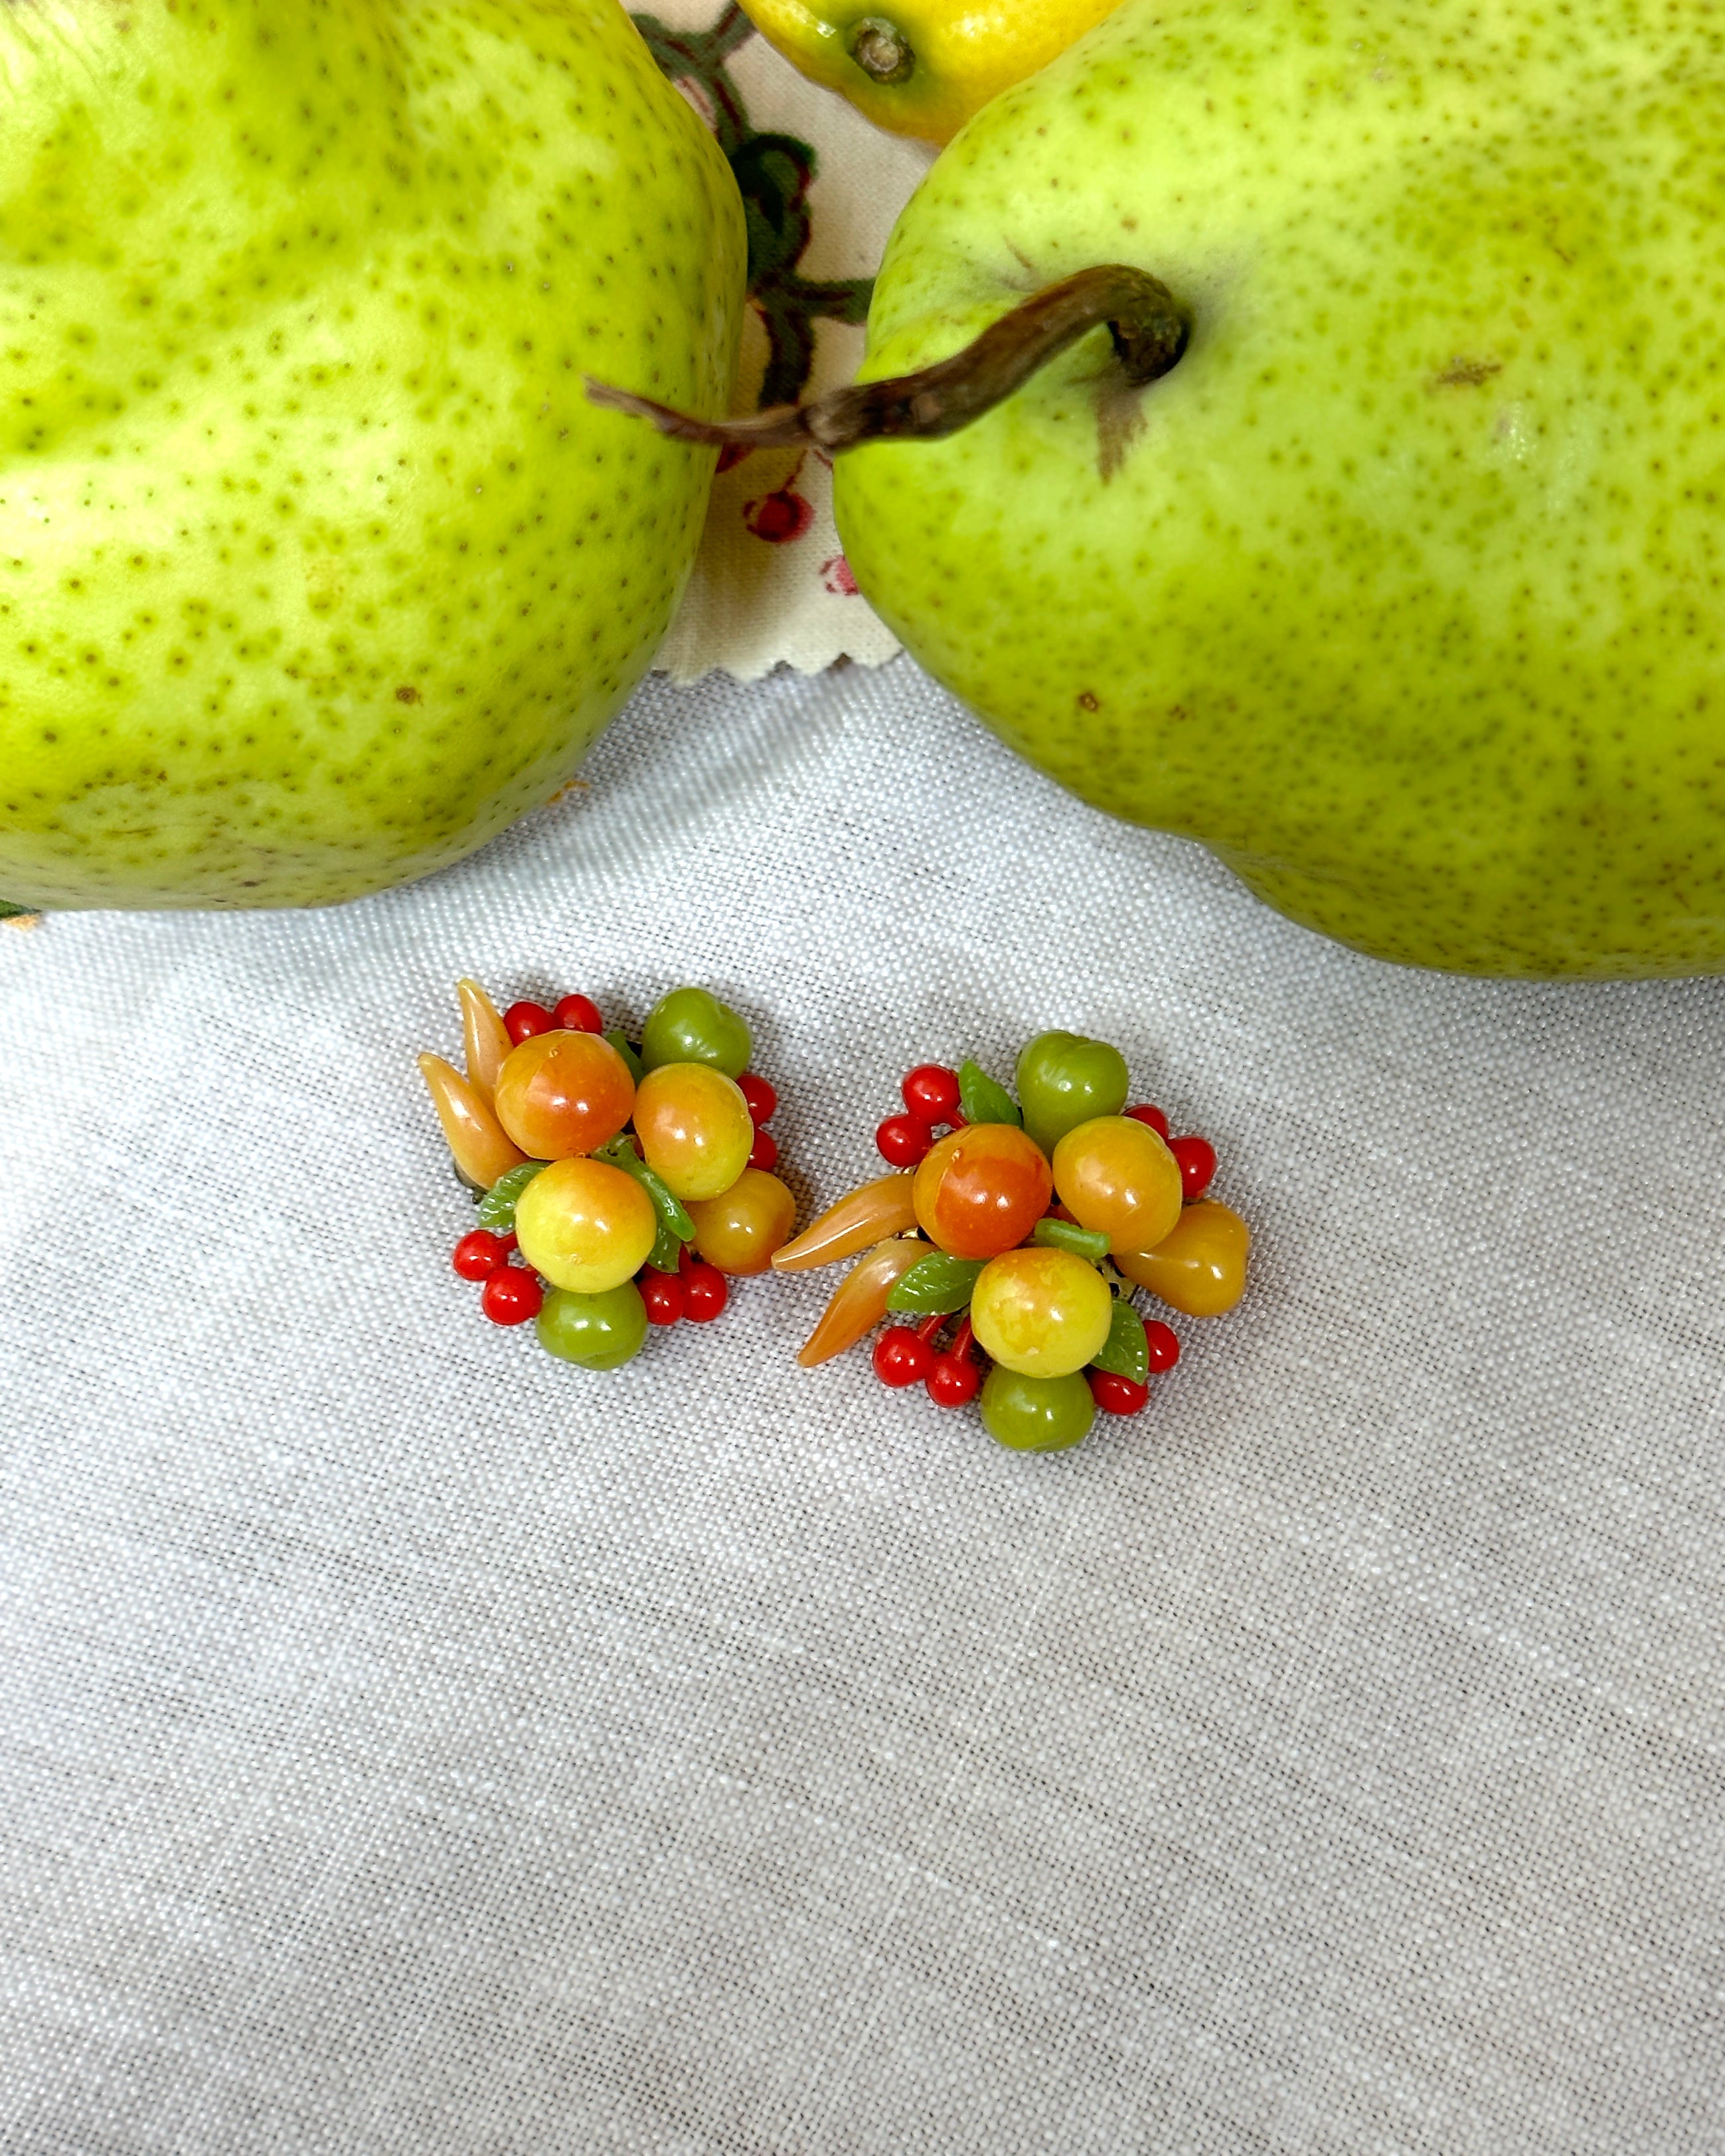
(599, 1331)
(1064, 1080)
(1036, 1414)
(690, 1025)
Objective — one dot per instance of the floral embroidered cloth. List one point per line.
(822, 189)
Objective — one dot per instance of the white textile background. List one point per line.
(410, 1746)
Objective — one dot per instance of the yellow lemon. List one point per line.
(922, 67)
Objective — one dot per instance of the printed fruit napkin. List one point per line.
(822, 189)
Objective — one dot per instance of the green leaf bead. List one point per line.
(673, 1221)
(982, 1099)
(633, 1061)
(936, 1286)
(496, 1208)
(1125, 1351)
(1067, 1236)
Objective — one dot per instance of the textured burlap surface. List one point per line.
(410, 1745)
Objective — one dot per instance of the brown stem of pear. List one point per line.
(1149, 325)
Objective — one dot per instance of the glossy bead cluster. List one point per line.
(622, 1184)
(1027, 1226)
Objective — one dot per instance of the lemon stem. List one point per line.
(882, 51)
(1149, 326)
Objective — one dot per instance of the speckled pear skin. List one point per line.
(316, 566)
(1406, 595)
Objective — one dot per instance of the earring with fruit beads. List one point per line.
(621, 1184)
(1031, 1222)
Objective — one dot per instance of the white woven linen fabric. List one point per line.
(411, 1746)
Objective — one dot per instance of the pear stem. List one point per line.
(1149, 325)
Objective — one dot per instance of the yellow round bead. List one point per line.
(1041, 1312)
(696, 1130)
(1115, 1175)
(739, 1231)
(585, 1225)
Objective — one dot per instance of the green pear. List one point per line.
(1404, 587)
(316, 565)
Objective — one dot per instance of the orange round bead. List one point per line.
(695, 1127)
(1042, 1313)
(983, 1189)
(1115, 1174)
(563, 1093)
(585, 1225)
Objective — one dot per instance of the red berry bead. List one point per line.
(1154, 1117)
(931, 1093)
(1198, 1163)
(1117, 1395)
(576, 1014)
(901, 1356)
(764, 1152)
(522, 1021)
(759, 1094)
(705, 1292)
(511, 1295)
(955, 1378)
(1163, 1343)
(478, 1255)
(902, 1141)
(954, 1381)
(664, 1294)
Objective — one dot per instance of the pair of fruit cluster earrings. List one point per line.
(623, 1184)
